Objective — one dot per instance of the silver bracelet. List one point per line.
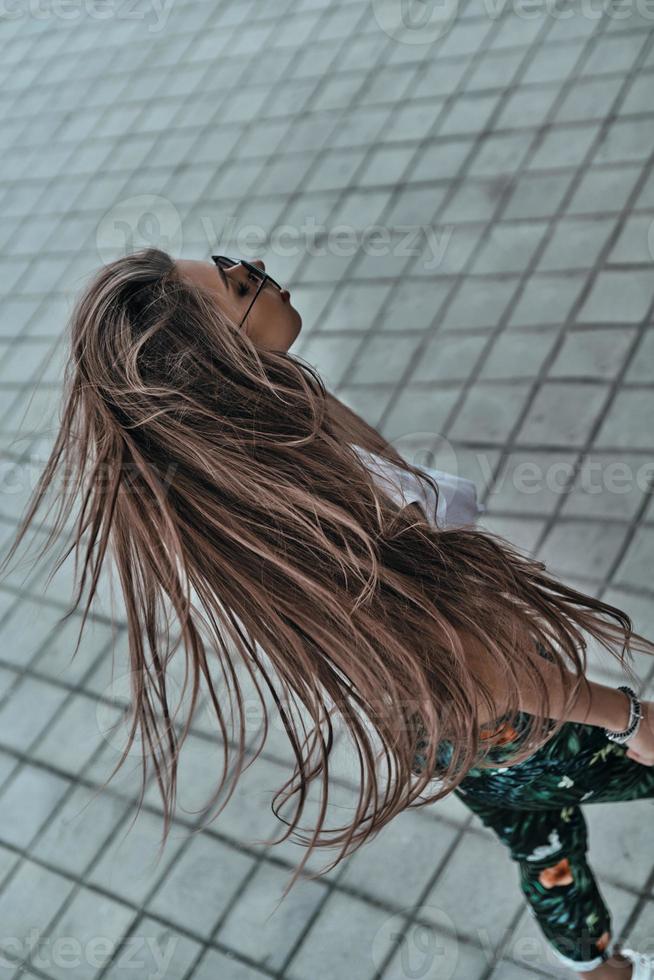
(635, 718)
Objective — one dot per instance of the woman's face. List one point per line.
(272, 323)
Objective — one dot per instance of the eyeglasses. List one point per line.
(253, 272)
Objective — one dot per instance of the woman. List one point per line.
(280, 534)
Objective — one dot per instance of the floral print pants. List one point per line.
(534, 808)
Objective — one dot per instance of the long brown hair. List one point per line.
(241, 522)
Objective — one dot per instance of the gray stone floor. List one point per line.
(490, 293)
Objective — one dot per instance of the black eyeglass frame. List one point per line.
(225, 262)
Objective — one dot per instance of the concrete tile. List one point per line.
(420, 411)
(509, 247)
(27, 619)
(27, 803)
(564, 146)
(619, 853)
(7, 765)
(537, 195)
(532, 482)
(332, 356)
(449, 357)
(442, 158)
(500, 154)
(517, 355)
(489, 413)
(440, 78)
(77, 831)
(624, 140)
(284, 172)
(382, 256)
(360, 208)
(443, 957)
(628, 421)
(386, 165)
(527, 107)
(251, 930)
(593, 354)
(546, 299)
(635, 242)
(584, 548)
(634, 568)
(614, 54)
(29, 710)
(640, 368)
(412, 120)
(247, 817)
(335, 169)
(381, 358)
(73, 738)
(467, 114)
(609, 485)
(217, 964)
(641, 934)
(603, 189)
(362, 932)
(588, 99)
(646, 195)
(156, 950)
(494, 70)
(482, 915)
(450, 252)
(130, 865)
(29, 901)
(396, 867)
(562, 414)
(191, 897)
(474, 200)
(413, 206)
(553, 62)
(482, 306)
(355, 307)
(90, 931)
(463, 37)
(575, 244)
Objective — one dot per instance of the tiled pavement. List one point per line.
(489, 293)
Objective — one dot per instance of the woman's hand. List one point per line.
(641, 746)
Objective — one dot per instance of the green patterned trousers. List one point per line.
(534, 808)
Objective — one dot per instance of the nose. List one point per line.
(259, 263)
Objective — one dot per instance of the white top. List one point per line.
(457, 498)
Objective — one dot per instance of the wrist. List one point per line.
(624, 735)
(619, 713)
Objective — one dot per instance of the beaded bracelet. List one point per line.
(635, 718)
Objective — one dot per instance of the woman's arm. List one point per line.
(596, 704)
